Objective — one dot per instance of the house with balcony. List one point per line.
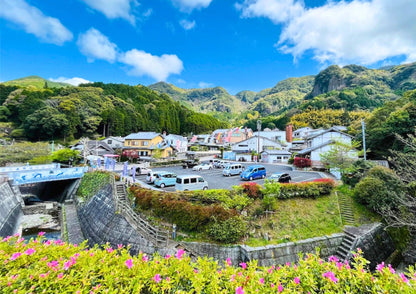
(146, 144)
(256, 144)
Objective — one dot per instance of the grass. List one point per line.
(296, 219)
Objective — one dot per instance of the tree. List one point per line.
(65, 155)
(341, 156)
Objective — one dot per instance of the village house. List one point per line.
(244, 149)
(179, 143)
(274, 135)
(230, 136)
(114, 142)
(146, 144)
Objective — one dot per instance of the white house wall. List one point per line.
(330, 136)
(252, 144)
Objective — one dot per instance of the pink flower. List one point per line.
(195, 271)
(239, 290)
(167, 256)
(232, 278)
(167, 279)
(145, 258)
(404, 278)
(60, 275)
(119, 246)
(391, 269)
(30, 251)
(297, 280)
(380, 266)
(129, 263)
(331, 276)
(179, 254)
(271, 285)
(261, 281)
(67, 264)
(41, 234)
(243, 265)
(270, 270)
(109, 249)
(15, 255)
(280, 288)
(157, 278)
(333, 259)
(228, 261)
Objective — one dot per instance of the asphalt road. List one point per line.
(216, 180)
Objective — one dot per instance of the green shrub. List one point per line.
(358, 170)
(46, 266)
(91, 183)
(228, 231)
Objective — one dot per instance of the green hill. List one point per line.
(35, 81)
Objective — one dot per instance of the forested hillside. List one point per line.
(106, 109)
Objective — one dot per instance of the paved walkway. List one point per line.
(73, 226)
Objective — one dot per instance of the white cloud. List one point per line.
(157, 67)
(276, 10)
(205, 85)
(114, 8)
(189, 5)
(75, 81)
(343, 32)
(187, 25)
(33, 21)
(95, 45)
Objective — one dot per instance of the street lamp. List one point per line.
(258, 139)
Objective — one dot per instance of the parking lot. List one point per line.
(216, 180)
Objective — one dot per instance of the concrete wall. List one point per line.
(271, 254)
(10, 210)
(100, 224)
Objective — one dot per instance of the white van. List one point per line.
(232, 169)
(190, 183)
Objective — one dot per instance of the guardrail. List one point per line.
(154, 234)
(46, 175)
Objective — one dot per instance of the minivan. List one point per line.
(232, 169)
(164, 179)
(190, 183)
(253, 172)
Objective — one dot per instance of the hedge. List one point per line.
(45, 266)
(312, 189)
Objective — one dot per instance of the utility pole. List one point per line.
(363, 127)
(258, 139)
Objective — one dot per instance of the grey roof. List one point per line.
(142, 136)
(333, 129)
(255, 138)
(277, 152)
(310, 149)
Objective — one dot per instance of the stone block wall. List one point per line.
(10, 210)
(101, 224)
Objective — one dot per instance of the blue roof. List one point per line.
(142, 136)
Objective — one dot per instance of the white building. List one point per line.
(179, 143)
(275, 156)
(274, 135)
(257, 144)
(114, 142)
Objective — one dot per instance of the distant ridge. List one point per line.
(35, 81)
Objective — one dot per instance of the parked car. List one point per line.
(221, 164)
(164, 179)
(233, 169)
(203, 165)
(253, 172)
(150, 178)
(190, 183)
(142, 171)
(280, 177)
(189, 163)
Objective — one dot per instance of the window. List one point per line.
(186, 181)
(109, 141)
(201, 180)
(145, 143)
(193, 180)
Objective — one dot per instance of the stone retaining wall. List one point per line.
(10, 210)
(101, 224)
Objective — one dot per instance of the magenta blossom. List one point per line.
(239, 290)
(297, 280)
(180, 253)
(129, 263)
(157, 278)
(243, 265)
(404, 278)
(331, 276)
(380, 266)
(280, 288)
(261, 281)
(228, 261)
(145, 258)
(41, 234)
(15, 255)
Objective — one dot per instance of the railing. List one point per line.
(46, 175)
(155, 235)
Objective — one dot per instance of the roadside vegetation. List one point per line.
(92, 183)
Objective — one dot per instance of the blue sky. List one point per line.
(236, 44)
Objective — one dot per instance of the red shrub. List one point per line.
(252, 190)
(302, 162)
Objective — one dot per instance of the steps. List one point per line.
(345, 206)
(346, 246)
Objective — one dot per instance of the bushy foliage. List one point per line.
(301, 162)
(357, 171)
(65, 155)
(306, 189)
(380, 189)
(190, 217)
(235, 198)
(46, 266)
(23, 152)
(252, 190)
(227, 231)
(91, 183)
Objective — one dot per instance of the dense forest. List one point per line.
(106, 109)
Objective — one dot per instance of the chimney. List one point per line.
(289, 133)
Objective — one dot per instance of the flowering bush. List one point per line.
(253, 190)
(44, 266)
(301, 162)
